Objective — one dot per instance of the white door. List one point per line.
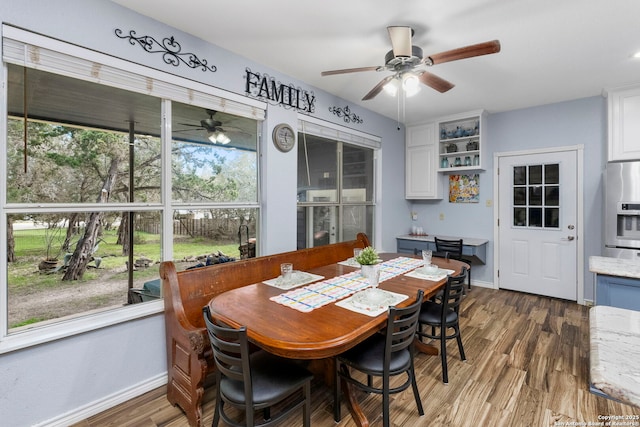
(537, 223)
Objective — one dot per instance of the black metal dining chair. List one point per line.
(254, 381)
(452, 248)
(443, 315)
(384, 355)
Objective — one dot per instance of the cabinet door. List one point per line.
(618, 292)
(624, 125)
(422, 180)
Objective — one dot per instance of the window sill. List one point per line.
(31, 336)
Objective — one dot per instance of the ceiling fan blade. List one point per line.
(377, 88)
(479, 49)
(400, 41)
(435, 82)
(188, 130)
(349, 70)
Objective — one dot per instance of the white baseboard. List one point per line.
(93, 408)
(482, 284)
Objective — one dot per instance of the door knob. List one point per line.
(571, 227)
(569, 238)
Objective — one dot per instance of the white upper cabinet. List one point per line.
(624, 123)
(422, 180)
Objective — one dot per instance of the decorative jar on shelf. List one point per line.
(472, 145)
(467, 161)
(476, 160)
(457, 162)
(444, 163)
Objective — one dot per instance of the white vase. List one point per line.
(371, 273)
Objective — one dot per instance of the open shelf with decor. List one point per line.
(461, 142)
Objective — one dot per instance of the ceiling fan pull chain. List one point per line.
(398, 107)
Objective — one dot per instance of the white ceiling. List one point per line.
(552, 50)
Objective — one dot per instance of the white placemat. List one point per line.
(351, 262)
(298, 278)
(350, 304)
(419, 273)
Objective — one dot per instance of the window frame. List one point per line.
(134, 78)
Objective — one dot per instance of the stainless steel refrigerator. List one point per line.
(622, 210)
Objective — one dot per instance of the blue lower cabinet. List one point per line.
(621, 292)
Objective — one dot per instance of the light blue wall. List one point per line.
(55, 382)
(577, 122)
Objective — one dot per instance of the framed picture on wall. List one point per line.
(464, 188)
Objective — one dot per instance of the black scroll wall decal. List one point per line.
(346, 114)
(169, 48)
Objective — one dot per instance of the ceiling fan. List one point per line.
(407, 61)
(215, 133)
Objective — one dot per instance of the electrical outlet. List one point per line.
(414, 216)
(441, 216)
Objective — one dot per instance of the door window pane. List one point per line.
(552, 174)
(519, 175)
(535, 174)
(536, 192)
(551, 217)
(535, 217)
(520, 196)
(520, 217)
(552, 195)
(535, 196)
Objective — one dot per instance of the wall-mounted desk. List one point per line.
(473, 249)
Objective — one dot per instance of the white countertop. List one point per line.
(615, 352)
(615, 266)
(467, 241)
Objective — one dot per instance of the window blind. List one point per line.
(35, 51)
(312, 126)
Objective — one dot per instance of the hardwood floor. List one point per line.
(527, 365)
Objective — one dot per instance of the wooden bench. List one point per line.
(189, 358)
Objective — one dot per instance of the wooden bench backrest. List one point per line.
(186, 292)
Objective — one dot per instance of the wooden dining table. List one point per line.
(324, 332)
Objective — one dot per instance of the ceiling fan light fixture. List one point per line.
(218, 137)
(222, 138)
(211, 136)
(391, 88)
(410, 84)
